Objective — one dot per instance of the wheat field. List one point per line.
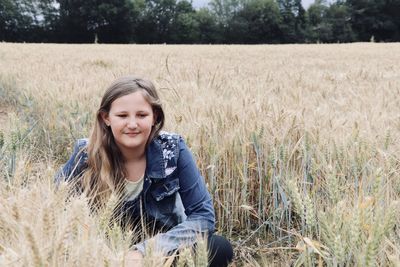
(299, 146)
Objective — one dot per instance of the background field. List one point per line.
(299, 145)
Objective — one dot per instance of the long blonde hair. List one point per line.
(105, 173)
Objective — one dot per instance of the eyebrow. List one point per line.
(139, 111)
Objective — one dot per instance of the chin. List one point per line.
(134, 145)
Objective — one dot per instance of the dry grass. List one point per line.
(298, 143)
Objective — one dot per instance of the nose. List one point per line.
(132, 123)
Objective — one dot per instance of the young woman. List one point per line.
(160, 181)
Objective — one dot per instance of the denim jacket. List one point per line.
(174, 193)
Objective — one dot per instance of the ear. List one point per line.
(105, 118)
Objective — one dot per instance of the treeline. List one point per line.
(176, 21)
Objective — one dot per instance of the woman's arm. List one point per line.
(198, 206)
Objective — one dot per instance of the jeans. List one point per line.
(220, 252)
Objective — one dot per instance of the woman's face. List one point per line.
(131, 119)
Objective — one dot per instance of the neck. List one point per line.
(133, 155)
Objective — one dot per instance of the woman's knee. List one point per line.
(220, 251)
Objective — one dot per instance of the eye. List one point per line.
(142, 115)
(121, 115)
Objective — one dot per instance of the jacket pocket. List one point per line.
(166, 189)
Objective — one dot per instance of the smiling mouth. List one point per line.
(132, 134)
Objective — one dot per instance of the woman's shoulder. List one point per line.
(165, 136)
(77, 162)
(170, 145)
(80, 147)
(80, 150)
(82, 143)
(169, 141)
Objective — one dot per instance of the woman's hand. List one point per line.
(134, 258)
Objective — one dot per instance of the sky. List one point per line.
(203, 3)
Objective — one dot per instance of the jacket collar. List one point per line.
(155, 162)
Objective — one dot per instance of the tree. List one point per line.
(391, 31)
(74, 23)
(48, 12)
(224, 10)
(208, 31)
(329, 24)
(319, 30)
(257, 22)
(117, 20)
(316, 12)
(293, 21)
(185, 28)
(375, 18)
(9, 20)
(85, 21)
(156, 21)
(21, 20)
(338, 16)
(300, 23)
